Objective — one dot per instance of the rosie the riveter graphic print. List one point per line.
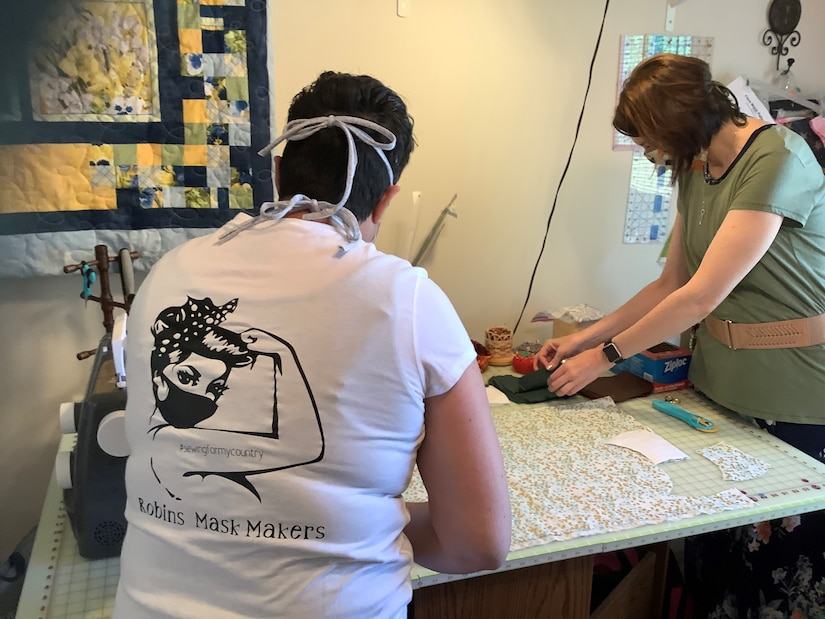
(232, 405)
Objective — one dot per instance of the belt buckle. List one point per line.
(728, 324)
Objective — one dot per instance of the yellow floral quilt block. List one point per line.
(46, 178)
(96, 61)
(190, 41)
(148, 154)
(195, 154)
(194, 111)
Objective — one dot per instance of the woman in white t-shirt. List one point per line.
(285, 377)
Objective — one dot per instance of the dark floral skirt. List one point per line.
(769, 570)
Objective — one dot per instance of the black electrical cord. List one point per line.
(566, 166)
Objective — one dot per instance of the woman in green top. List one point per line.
(747, 263)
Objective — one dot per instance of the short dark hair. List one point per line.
(673, 101)
(317, 166)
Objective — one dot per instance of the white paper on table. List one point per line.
(495, 396)
(649, 444)
(749, 103)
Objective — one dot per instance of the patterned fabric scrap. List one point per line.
(567, 482)
(735, 465)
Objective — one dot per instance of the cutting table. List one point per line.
(546, 580)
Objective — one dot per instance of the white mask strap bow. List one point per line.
(340, 217)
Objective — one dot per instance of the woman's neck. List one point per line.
(728, 142)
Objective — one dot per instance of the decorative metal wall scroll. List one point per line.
(783, 18)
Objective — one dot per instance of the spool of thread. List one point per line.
(499, 341)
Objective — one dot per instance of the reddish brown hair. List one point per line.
(673, 102)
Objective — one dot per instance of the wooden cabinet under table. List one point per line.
(558, 589)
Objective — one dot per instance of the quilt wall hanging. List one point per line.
(131, 123)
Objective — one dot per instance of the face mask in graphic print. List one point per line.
(658, 157)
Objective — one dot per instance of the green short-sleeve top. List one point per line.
(776, 172)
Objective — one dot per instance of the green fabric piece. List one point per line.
(534, 380)
(195, 133)
(189, 16)
(237, 89)
(528, 389)
(779, 174)
(125, 154)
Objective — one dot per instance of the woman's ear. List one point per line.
(369, 227)
(383, 203)
(277, 161)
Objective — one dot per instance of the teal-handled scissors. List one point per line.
(669, 407)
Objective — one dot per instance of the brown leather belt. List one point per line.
(781, 334)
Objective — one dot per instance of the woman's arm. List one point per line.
(465, 526)
(741, 241)
(674, 275)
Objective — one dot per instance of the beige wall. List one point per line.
(495, 88)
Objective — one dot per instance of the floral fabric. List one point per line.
(567, 481)
(734, 464)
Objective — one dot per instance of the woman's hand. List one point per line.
(575, 373)
(555, 350)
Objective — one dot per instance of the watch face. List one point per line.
(612, 353)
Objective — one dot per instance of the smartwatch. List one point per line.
(612, 352)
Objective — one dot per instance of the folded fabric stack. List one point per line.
(528, 389)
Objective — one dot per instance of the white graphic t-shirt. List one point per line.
(275, 406)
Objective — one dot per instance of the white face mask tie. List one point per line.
(340, 217)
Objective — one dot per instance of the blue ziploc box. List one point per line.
(663, 363)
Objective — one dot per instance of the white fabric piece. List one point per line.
(495, 396)
(578, 313)
(735, 464)
(650, 445)
(225, 520)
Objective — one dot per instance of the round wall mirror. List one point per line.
(784, 15)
